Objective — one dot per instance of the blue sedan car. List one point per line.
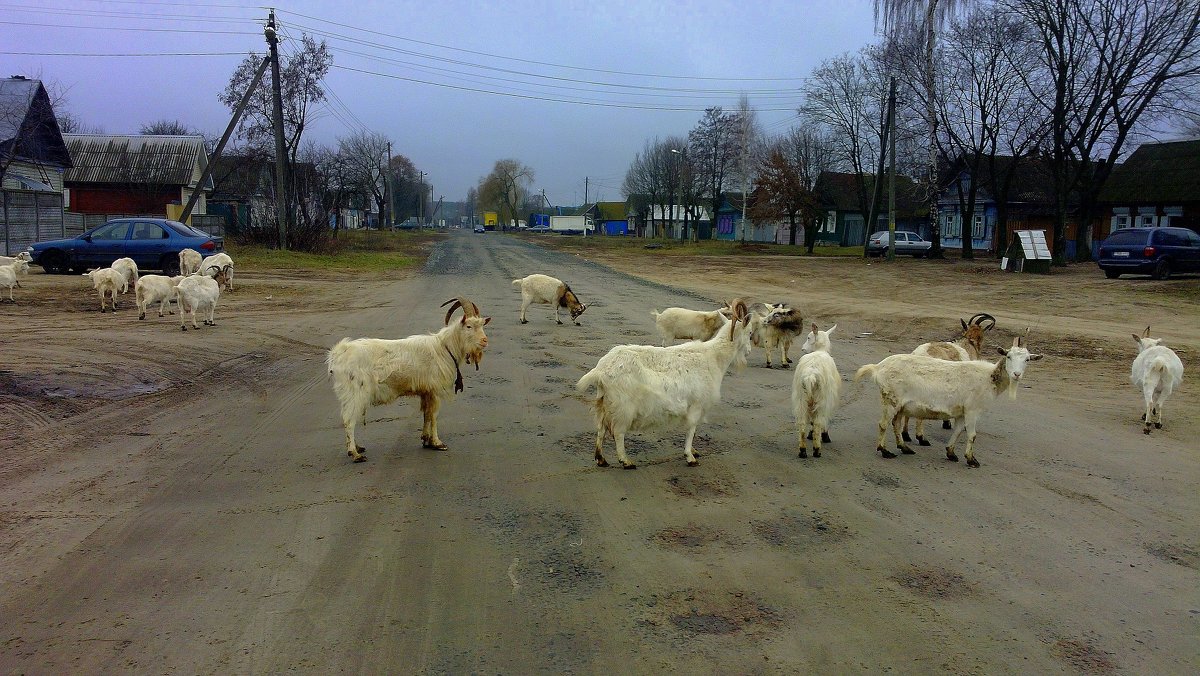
(152, 243)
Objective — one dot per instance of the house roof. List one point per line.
(839, 190)
(28, 125)
(611, 211)
(155, 160)
(1157, 173)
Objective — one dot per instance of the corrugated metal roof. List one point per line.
(155, 160)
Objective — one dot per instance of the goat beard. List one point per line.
(474, 357)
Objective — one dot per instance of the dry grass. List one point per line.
(365, 251)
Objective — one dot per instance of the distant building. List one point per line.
(134, 175)
(33, 160)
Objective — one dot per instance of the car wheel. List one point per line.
(170, 265)
(1111, 273)
(55, 263)
(1163, 269)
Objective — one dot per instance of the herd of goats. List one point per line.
(636, 387)
(196, 289)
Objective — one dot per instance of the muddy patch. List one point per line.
(686, 537)
(748, 404)
(633, 332)
(881, 479)
(495, 380)
(559, 379)
(934, 583)
(798, 531)
(1173, 553)
(563, 342)
(545, 363)
(703, 486)
(1074, 495)
(544, 389)
(569, 568)
(1084, 656)
(710, 613)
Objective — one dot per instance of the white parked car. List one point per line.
(907, 243)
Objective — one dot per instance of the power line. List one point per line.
(603, 104)
(120, 14)
(136, 30)
(539, 63)
(89, 54)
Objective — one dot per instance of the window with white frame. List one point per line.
(1121, 221)
(1147, 220)
(951, 225)
(977, 227)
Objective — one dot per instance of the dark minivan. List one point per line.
(1157, 252)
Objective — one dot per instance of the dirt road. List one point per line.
(181, 502)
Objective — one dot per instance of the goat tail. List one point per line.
(811, 381)
(336, 354)
(516, 283)
(868, 370)
(589, 381)
(1156, 373)
(138, 294)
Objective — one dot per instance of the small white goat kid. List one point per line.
(677, 322)
(928, 388)
(636, 387)
(189, 261)
(23, 256)
(107, 281)
(129, 270)
(222, 262)
(155, 289)
(199, 293)
(546, 290)
(9, 272)
(815, 388)
(373, 371)
(1157, 371)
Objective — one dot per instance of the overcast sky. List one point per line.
(654, 55)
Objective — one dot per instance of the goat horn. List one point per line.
(457, 304)
(469, 309)
(1147, 333)
(982, 317)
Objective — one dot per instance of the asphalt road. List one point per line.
(216, 525)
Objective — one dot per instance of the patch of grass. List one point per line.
(366, 251)
(666, 247)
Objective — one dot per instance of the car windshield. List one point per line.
(186, 230)
(1127, 237)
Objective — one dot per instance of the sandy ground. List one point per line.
(181, 502)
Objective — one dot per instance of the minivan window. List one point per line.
(1127, 237)
(1168, 238)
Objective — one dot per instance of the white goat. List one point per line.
(1157, 371)
(189, 261)
(917, 386)
(373, 371)
(815, 388)
(546, 290)
(968, 347)
(129, 269)
(23, 256)
(155, 289)
(677, 322)
(635, 387)
(780, 326)
(223, 262)
(107, 281)
(9, 272)
(199, 293)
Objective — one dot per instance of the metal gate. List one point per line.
(28, 216)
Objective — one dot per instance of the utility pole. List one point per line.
(209, 166)
(891, 252)
(585, 190)
(387, 187)
(421, 206)
(281, 177)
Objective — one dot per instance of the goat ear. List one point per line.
(831, 328)
(814, 327)
(486, 320)
(1035, 357)
(963, 322)
(1146, 334)
(1137, 339)
(1002, 351)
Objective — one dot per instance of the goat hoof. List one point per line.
(360, 448)
(951, 456)
(972, 462)
(558, 321)
(922, 441)
(946, 425)
(693, 463)
(628, 465)
(907, 451)
(141, 317)
(601, 462)
(903, 435)
(1146, 429)
(802, 454)
(524, 321)
(183, 328)
(1158, 426)
(824, 438)
(886, 453)
(360, 458)
(816, 452)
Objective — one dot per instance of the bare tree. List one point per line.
(713, 151)
(505, 188)
(787, 181)
(1112, 67)
(751, 143)
(366, 158)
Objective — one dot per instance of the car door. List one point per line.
(901, 243)
(104, 245)
(1192, 251)
(147, 244)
